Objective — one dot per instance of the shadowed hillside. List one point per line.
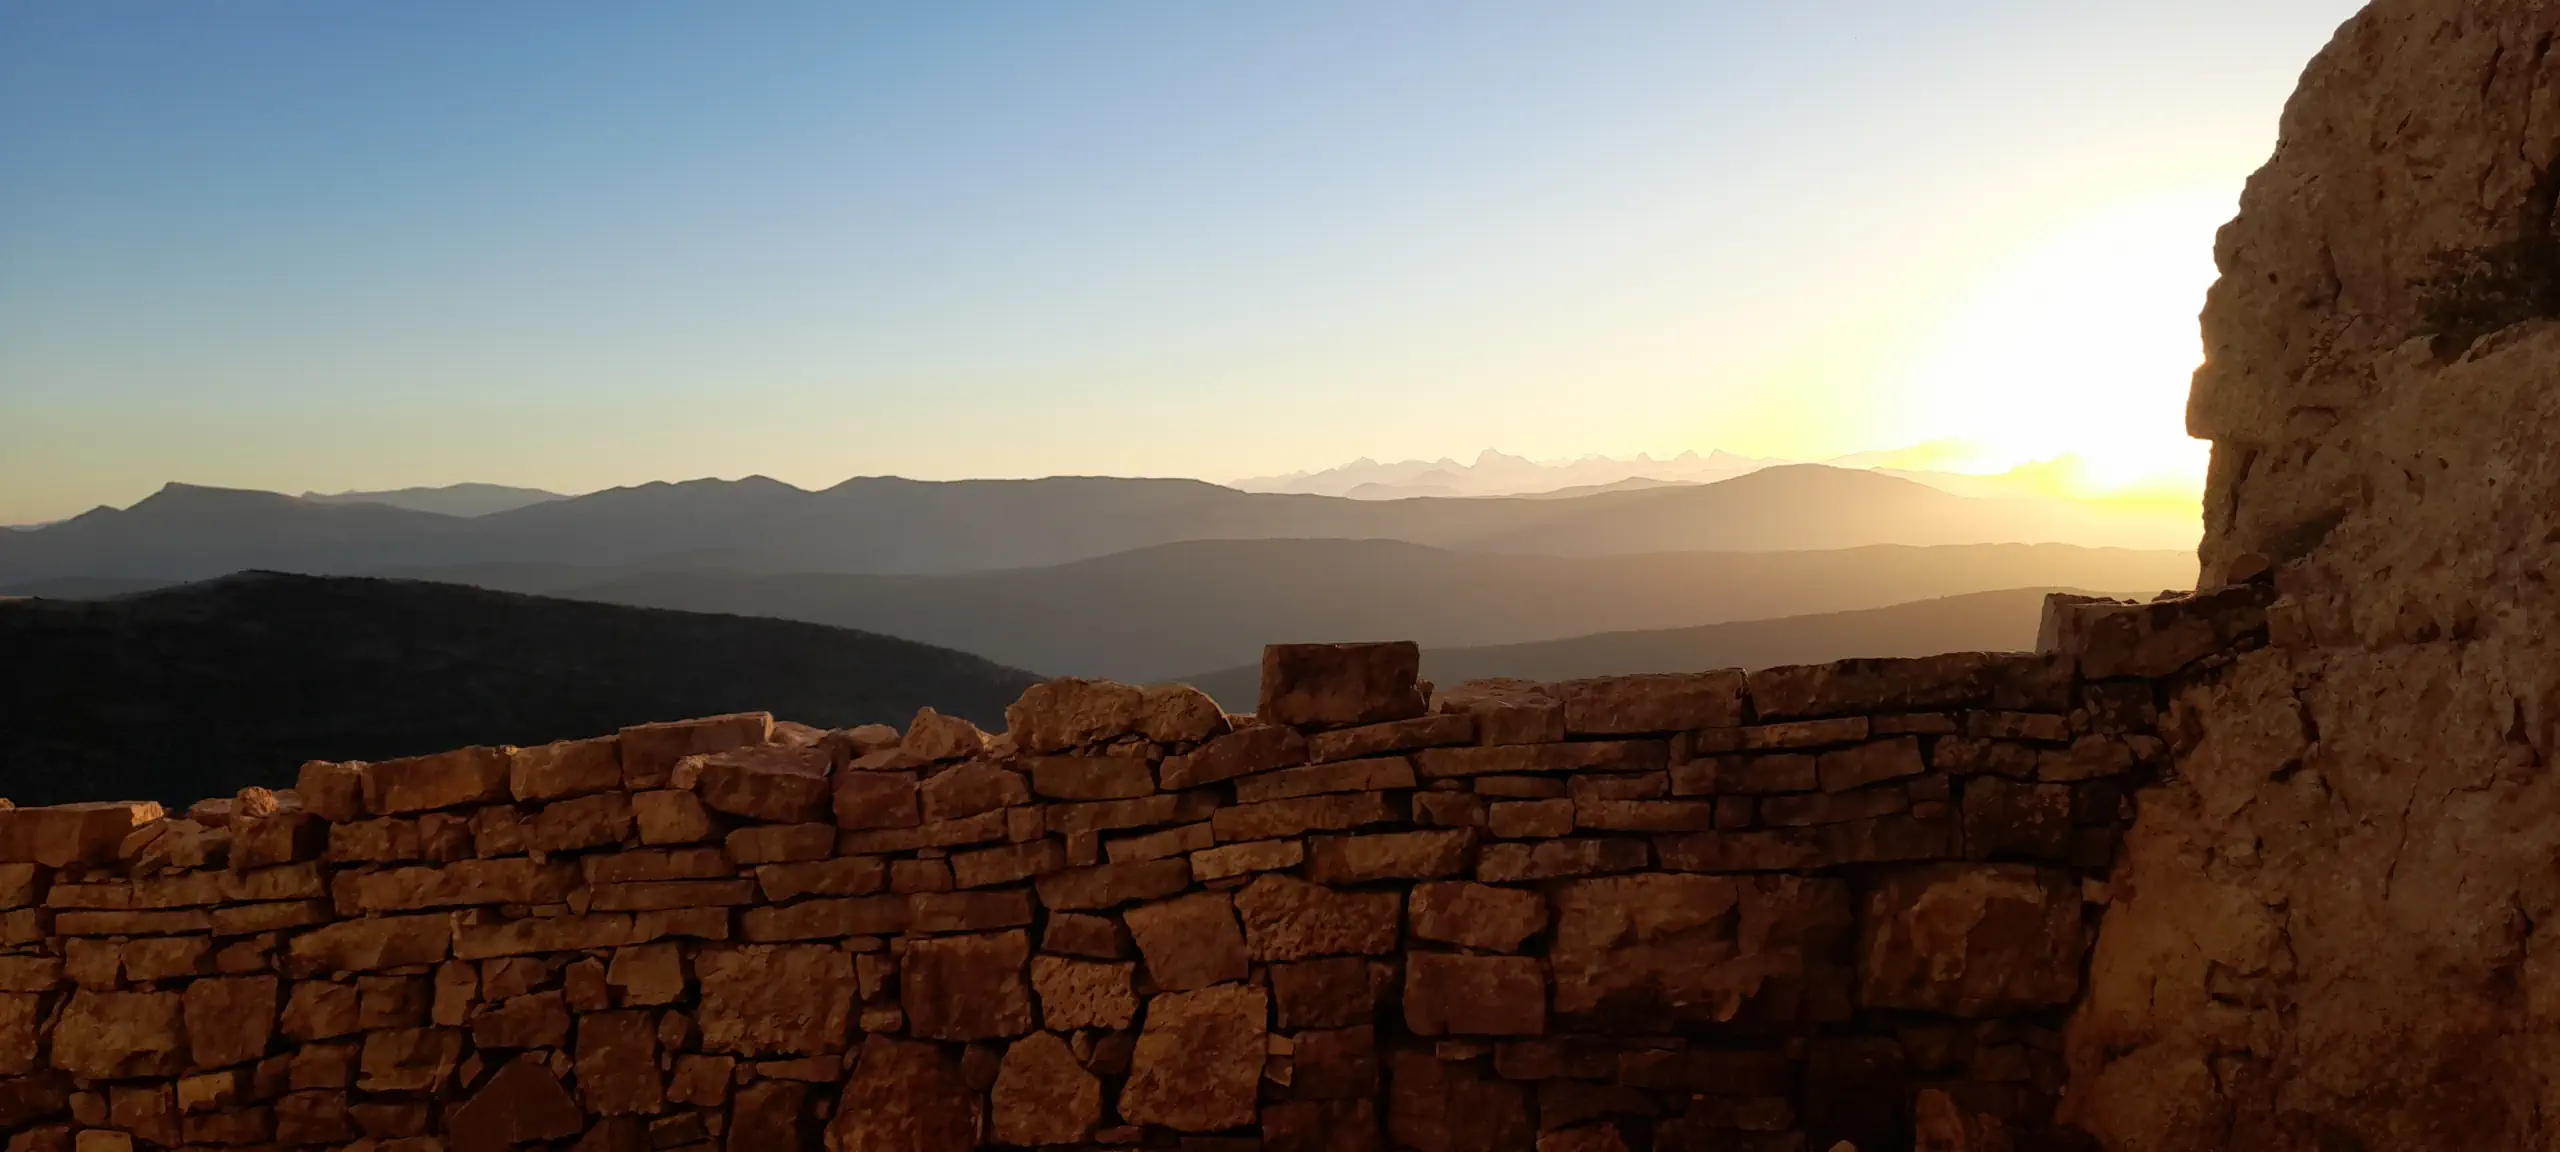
(203, 689)
(2002, 621)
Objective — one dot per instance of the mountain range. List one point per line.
(891, 526)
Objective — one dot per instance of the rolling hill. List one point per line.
(2003, 621)
(890, 526)
(1169, 610)
(202, 689)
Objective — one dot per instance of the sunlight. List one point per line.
(2072, 350)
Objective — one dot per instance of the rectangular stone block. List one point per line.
(71, 835)
(514, 880)
(930, 913)
(1111, 885)
(1228, 860)
(1430, 855)
(1842, 769)
(639, 865)
(1090, 777)
(650, 751)
(1275, 819)
(1242, 752)
(825, 920)
(661, 894)
(1516, 863)
(848, 876)
(1335, 685)
(1370, 740)
(1372, 775)
(565, 769)
(1010, 864)
(781, 844)
(444, 780)
(1644, 815)
(1634, 705)
(536, 935)
(1609, 755)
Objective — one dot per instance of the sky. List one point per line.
(330, 246)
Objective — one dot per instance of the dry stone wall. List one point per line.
(1764, 913)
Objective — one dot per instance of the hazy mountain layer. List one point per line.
(450, 500)
(200, 690)
(2003, 621)
(894, 526)
(1162, 612)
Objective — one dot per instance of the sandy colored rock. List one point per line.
(1370, 775)
(1083, 993)
(71, 835)
(1198, 1059)
(876, 800)
(1476, 916)
(967, 987)
(934, 736)
(1427, 855)
(650, 751)
(762, 1000)
(1335, 685)
(774, 783)
(1244, 752)
(444, 780)
(1042, 1095)
(1106, 886)
(1189, 942)
(970, 789)
(670, 817)
(113, 1035)
(1630, 705)
(1089, 777)
(1971, 940)
(565, 769)
(1286, 918)
(1063, 714)
(905, 1097)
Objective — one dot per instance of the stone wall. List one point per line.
(1819, 904)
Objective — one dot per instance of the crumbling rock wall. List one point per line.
(1695, 912)
(2328, 925)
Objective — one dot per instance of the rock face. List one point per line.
(2328, 927)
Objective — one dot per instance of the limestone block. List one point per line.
(1198, 1060)
(760, 1000)
(1190, 942)
(444, 780)
(650, 751)
(1286, 918)
(1083, 994)
(774, 783)
(1244, 752)
(1631, 705)
(967, 987)
(565, 769)
(1337, 685)
(71, 835)
(1043, 1096)
(1476, 916)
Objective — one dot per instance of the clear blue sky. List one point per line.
(326, 245)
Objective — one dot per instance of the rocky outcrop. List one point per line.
(2328, 923)
(1710, 911)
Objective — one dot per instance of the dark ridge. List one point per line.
(203, 689)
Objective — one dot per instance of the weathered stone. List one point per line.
(1335, 685)
(905, 1097)
(1476, 915)
(774, 783)
(1244, 752)
(1279, 818)
(1843, 769)
(522, 1104)
(1230, 860)
(671, 817)
(278, 838)
(1340, 992)
(1530, 819)
(1441, 1107)
(650, 751)
(1190, 942)
(1630, 705)
(1598, 815)
(967, 987)
(934, 736)
(230, 1020)
(1505, 711)
(1010, 864)
(1450, 994)
(1075, 934)
(970, 789)
(565, 769)
(408, 1060)
(1179, 713)
(1111, 885)
(1799, 734)
(71, 835)
(1198, 1060)
(1062, 714)
(1747, 775)
(769, 1114)
(1833, 807)
(444, 780)
(1043, 1096)
(876, 800)
(945, 912)
(1637, 951)
(1374, 740)
(617, 1062)
(1090, 777)
(1371, 775)
(333, 791)
(514, 880)
(1556, 859)
(1289, 919)
(851, 876)
(1429, 855)
(780, 843)
(1083, 994)
(370, 945)
(767, 1000)
(1162, 845)
(536, 1020)
(1971, 940)
(488, 940)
